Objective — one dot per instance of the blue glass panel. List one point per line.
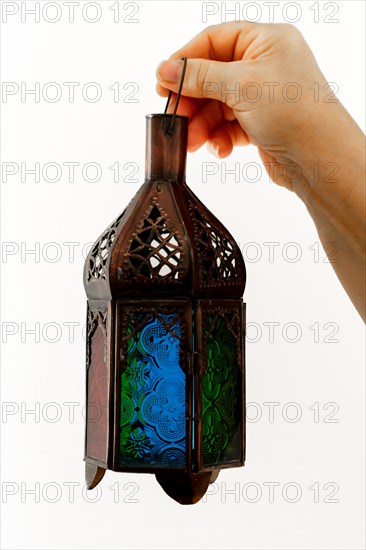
(153, 394)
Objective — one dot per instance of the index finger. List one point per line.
(223, 42)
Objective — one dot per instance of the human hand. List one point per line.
(279, 100)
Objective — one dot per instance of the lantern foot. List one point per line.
(93, 475)
(214, 476)
(184, 488)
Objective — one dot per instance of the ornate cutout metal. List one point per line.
(99, 254)
(155, 250)
(217, 255)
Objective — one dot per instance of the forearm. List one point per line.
(333, 188)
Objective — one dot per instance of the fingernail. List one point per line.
(169, 71)
(214, 148)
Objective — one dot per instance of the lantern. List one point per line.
(165, 332)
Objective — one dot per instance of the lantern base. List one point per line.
(93, 475)
(186, 488)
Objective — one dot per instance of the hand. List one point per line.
(274, 81)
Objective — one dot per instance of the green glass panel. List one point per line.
(221, 394)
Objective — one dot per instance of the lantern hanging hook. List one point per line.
(172, 121)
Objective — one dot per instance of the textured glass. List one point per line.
(153, 394)
(221, 395)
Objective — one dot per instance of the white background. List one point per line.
(44, 451)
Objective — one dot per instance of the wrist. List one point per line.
(330, 156)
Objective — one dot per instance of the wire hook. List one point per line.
(171, 125)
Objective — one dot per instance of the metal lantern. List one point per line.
(165, 332)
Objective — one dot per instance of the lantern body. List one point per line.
(165, 345)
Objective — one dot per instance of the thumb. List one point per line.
(203, 79)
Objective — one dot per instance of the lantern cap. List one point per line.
(166, 242)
